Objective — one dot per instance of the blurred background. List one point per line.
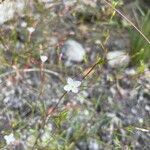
(78, 38)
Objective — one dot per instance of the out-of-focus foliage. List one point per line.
(140, 49)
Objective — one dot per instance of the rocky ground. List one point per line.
(111, 109)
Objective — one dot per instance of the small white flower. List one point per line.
(97, 42)
(23, 24)
(31, 140)
(72, 85)
(86, 112)
(31, 29)
(43, 58)
(9, 138)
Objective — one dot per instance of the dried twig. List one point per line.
(31, 70)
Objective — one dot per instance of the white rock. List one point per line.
(8, 8)
(117, 59)
(91, 3)
(141, 120)
(6, 11)
(114, 119)
(53, 41)
(45, 1)
(73, 51)
(69, 2)
(130, 72)
(147, 108)
(19, 6)
(93, 145)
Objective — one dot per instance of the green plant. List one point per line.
(140, 49)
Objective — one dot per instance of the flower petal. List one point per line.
(9, 138)
(67, 87)
(77, 83)
(31, 29)
(74, 90)
(43, 58)
(70, 81)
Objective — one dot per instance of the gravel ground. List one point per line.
(112, 108)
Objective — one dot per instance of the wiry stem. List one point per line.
(60, 99)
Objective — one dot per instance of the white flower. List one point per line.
(31, 140)
(72, 85)
(31, 29)
(23, 24)
(97, 42)
(9, 138)
(43, 58)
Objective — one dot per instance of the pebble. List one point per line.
(73, 51)
(117, 59)
(9, 8)
(93, 145)
(130, 71)
(147, 108)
